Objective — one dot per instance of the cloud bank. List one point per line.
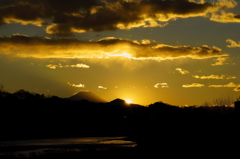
(36, 47)
(229, 85)
(215, 77)
(75, 16)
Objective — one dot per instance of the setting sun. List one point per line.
(128, 101)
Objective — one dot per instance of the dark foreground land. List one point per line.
(158, 129)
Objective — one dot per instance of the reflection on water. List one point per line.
(27, 146)
(66, 141)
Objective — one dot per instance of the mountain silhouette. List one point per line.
(117, 102)
(87, 95)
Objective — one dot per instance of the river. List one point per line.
(38, 145)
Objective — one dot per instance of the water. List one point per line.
(29, 146)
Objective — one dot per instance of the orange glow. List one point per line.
(124, 54)
(129, 101)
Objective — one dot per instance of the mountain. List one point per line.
(118, 102)
(87, 95)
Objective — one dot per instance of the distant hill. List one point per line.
(87, 95)
(117, 102)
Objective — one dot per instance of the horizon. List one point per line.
(226, 101)
(178, 52)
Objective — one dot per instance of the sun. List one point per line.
(129, 101)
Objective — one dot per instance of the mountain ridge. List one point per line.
(87, 95)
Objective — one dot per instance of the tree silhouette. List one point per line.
(22, 94)
(1, 90)
(227, 101)
(1, 87)
(3, 93)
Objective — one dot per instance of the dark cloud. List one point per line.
(181, 7)
(40, 12)
(68, 16)
(237, 16)
(129, 14)
(69, 6)
(24, 46)
(180, 51)
(23, 12)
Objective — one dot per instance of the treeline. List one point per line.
(22, 95)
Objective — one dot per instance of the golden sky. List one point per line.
(182, 52)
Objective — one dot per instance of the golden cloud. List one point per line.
(231, 84)
(146, 41)
(220, 61)
(215, 77)
(162, 85)
(64, 17)
(76, 85)
(237, 88)
(224, 17)
(193, 85)
(52, 66)
(233, 43)
(36, 47)
(182, 71)
(101, 87)
(153, 23)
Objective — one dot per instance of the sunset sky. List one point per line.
(181, 52)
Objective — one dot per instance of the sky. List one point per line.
(180, 52)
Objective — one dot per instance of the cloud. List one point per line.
(122, 14)
(22, 12)
(40, 13)
(146, 41)
(220, 61)
(79, 65)
(52, 66)
(153, 23)
(229, 85)
(64, 17)
(182, 71)
(101, 87)
(215, 77)
(162, 85)
(237, 88)
(76, 85)
(224, 17)
(233, 43)
(193, 85)
(36, 47)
